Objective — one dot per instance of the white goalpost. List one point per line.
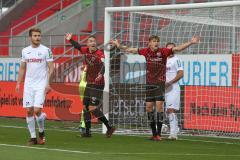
(210, 93)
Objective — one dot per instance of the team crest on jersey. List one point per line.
(50, 53)
(159, 54)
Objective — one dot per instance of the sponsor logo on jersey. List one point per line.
(155, 59)
(159, 54)
(34, 60)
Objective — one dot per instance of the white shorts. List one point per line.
(33, 97)
(172, 100)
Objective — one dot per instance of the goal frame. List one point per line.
(107, 33)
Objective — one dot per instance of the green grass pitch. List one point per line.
(65, 144)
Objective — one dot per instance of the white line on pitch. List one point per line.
(195, 140)
(18, 127)
(181, 139)
(117, 153)
(41, 148)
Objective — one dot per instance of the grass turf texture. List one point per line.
(66, 145)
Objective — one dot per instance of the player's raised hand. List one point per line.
(17, 87)
(68, 36)
(195, 39)
(115, 42)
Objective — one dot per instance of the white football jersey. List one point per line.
(37, 69)
(174, 64)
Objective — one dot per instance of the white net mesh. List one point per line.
(210, 102)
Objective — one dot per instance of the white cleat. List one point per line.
(173, 137)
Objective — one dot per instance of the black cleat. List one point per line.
(86, 135)
(110, 132)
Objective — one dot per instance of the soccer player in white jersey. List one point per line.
(172, 93)
(37, 60)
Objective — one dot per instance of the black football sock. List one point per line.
(159, 122)
(98, 114)
(152, 122)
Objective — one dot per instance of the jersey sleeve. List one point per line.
(166, 51)
(102, 56)
(23, 58)
(49, 56)
(178, 64)
(142, 51)
(75, 44)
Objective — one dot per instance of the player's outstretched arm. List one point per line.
(20, 75)
(194, 40)
(75, 44)
(123, 47)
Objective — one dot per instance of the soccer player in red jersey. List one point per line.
(94, 59)
(156, 59)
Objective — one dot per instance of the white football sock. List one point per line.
(176, 129)
(173, 123)
(31, 126)
(40, 121)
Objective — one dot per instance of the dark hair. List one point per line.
(33, 30)
(154, 37)
(171, 43)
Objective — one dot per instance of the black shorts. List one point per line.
(155, 92)
(93, 95)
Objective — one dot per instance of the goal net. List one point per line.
(210, 96)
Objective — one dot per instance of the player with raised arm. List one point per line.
(37, 60)
(172, 92)
(156, 59)
(94, 59)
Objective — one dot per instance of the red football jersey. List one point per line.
(156, 63)
(94, 62)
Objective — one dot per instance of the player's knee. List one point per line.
(85, 107)
(92, 108)
(170, 110)
(30, 113)
(159, 108)
(37, 112)
(149, 108)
